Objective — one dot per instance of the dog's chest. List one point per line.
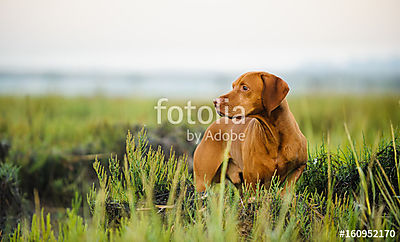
(261, 156)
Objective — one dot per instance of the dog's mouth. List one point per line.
(220, 113)
(218, 109)
(230, 117)
(224, 115)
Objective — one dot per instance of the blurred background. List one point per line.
(196, 48)
(76, 75)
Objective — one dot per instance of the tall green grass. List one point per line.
(307, 212)
(348, 183)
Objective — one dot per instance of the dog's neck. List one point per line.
(275, 122)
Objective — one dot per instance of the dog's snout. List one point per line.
(217, 101)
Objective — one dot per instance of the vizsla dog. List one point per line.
(264, 136)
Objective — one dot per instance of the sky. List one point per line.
(194, 34)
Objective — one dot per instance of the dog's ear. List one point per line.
(274, 91)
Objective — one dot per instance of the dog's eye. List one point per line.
(245, 88)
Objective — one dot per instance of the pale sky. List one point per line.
(194, 34)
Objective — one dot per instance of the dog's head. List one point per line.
(253, 93)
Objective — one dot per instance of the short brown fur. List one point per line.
(273, 142)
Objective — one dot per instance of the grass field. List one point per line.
(49, 147)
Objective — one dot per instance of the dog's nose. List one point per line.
(217, 101)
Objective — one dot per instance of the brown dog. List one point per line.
(265, 138)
